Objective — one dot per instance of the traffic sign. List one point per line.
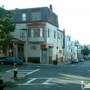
(60, 51)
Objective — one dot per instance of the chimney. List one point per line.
(51, 7)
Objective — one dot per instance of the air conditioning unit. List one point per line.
(33, 47)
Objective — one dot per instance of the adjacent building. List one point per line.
(74, 49)
(79, 50)
(67, 49)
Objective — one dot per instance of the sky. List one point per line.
(73, 15)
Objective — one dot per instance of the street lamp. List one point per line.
(14, 53)
(26, 58)
(14, 57)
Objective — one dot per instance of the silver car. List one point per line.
(74, 60)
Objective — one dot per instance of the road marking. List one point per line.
(47, 81)
(67, 78)
(24, 70)
(88, 70)
(11, 70)
(33, 71)
(28, 82)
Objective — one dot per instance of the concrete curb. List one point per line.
(8, 76)
(35, 64)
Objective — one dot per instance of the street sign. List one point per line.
(60, 51)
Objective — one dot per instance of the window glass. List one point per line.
(23, 16)
(22, 49)
(33, 16)
(36, 15)
(36, 32)
(48, 32)
(41, 32)
(18, 49)
(54, 34)
(32, 32)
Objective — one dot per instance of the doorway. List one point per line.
(21, 51)
(44, 55)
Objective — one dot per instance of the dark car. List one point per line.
(80, 59)
(2, 84)
(85, 57)
(11, 60)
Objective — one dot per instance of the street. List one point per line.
(52, 77)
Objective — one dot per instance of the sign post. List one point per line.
(60, 51)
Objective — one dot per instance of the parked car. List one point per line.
(80, 59)
(11, 60)
(85, 57)
(73, 60)
(2, 84)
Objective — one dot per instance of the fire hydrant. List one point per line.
(15, 73)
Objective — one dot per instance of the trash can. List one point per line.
(55, 62)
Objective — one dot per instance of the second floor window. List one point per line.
(48, 32)
(32, 32)
(37, 32)
(41, 32)
(54, 34)
(58, 35)
(23, 16)
(36, 16)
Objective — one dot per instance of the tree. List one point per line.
(6, 27)
(6, 41)
(85, 50)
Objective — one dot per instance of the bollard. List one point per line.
(15, 73)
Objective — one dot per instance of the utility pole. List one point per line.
(26, 36)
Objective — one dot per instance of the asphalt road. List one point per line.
(53, 77)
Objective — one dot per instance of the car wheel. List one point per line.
(71, 62)
(2, 62)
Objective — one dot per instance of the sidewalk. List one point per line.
(8, 76)
(59, 64)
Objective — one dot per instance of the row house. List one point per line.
(74, 49)
(79, 49)
(36, 36)
(67, 49)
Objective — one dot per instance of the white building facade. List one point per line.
(67, 49)
(37, 37)
(73, 49)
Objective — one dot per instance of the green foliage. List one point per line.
(6, 41)
(6, 27)
(85, 50)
